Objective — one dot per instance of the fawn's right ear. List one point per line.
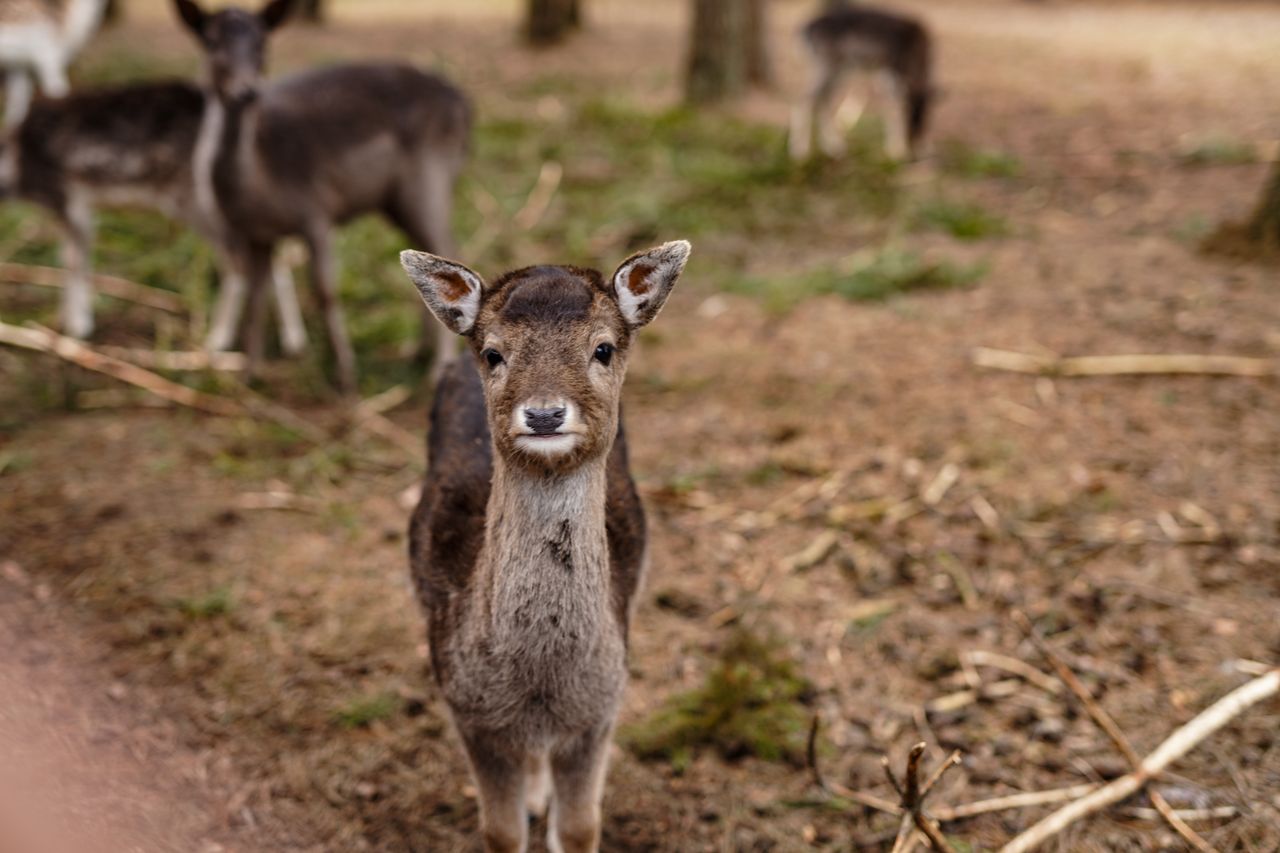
(451, 291)
(192, 15)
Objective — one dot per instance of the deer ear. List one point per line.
(274, 13)
(192, 15)
(451, 291)
(644, 280)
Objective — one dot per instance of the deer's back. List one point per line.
(870, 36)
(447, 529)
(139, 136)
(319, 117)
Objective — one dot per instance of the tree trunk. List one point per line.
(550, 21)
(313, 11)
(726, 48)
(759, 72)
(1264, 225)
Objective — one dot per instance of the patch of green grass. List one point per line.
(1218, 151)
(363, 710)
(765, 474)
(13, 461)
(752, 703)
(866, 277)
(961, 219)
(964, 160)
(216, 602)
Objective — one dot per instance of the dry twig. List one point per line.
(69, 349)
(1109, 726)
(1174, 747)
(120, 288)
(535, 206)
(1124, 365)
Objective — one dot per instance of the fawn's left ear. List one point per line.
(192, 15)
(451, 291)
(274, 13)
(644, 280)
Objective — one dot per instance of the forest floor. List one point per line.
(209, 620)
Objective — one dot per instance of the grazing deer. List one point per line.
(849, 38)
(128, 145)
(39, 37)
(528, 544)
(302, 154)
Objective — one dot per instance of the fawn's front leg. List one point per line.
(500, 777)
(577, 772)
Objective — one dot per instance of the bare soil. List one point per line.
(157, 623)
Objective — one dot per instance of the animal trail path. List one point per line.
(86, 764)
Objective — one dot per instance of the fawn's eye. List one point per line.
(604, 354)
(492, 357)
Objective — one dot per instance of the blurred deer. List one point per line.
(849, 38)
(528, 544)
(129, 146)
(41, 37)
(302, 154)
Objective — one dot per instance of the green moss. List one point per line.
(752, 703)
(363, 710)
(961, 219)
(962, 159)
(216, 602)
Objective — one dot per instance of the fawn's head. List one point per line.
(551, 344)
(235, 44)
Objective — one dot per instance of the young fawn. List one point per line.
(529, 541)
(851, 38)
(298, 156)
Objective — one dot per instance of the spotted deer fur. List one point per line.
(120, 146)
(851, 38)
(528, 544)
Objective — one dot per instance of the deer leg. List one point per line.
(830, 137)
(52, 74)
(852, 105)
(895, 125)
(293, 332)
(77, 251)
(229, 306)
(424, 211)
(500, 780)
(800, 141)
(259, 270)
(578, 770)
(17, 97)
(537, 783)
(324, 274)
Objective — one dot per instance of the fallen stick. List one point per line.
(230, 362)
(1173, 748)
(535, 206)
(119, 288)
(69, 349)
(1013, 801)
(1124, 365)
(977, 657)
(1104, 721)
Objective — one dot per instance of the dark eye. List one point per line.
(492, 357)
(604, 354)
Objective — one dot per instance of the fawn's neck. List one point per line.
(544, 569)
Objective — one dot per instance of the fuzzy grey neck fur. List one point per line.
(541, 635)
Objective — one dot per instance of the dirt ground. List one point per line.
(248, 672)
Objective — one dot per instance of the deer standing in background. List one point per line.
(41, 37)
(129, 146)
(849, 38)
(528, 544)
(302, 154)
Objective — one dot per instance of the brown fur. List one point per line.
(308, 152)
(527, 560)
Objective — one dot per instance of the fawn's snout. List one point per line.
(547, 427)
(546, 421)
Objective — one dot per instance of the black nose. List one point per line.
(544, 421)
